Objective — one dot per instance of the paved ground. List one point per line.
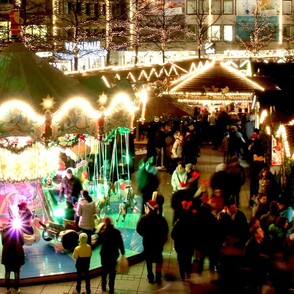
(136, 280)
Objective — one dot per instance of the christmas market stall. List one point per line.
(213, 84)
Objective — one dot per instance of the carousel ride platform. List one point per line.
(48, 261)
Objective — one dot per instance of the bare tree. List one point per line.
(116, 26)
(257, 34)
(200, 16)
(164, 27)
(137, 19)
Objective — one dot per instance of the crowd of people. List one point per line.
(247, 253)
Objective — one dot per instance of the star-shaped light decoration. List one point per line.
(48, 102)
(102, 98)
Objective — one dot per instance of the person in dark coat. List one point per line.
(153, 228)
(209, 235)
(236, 178)
(70, 186)
(234, 225)
(235, 234)
(147, 179)
(190, 146)
(12, 254)
(184, 238)
(257, 259)
(177, 199)
(112, 244)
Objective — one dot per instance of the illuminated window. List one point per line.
(4, 30)
(228, 33)
(228, 7)
(287, 7)
(215, 33)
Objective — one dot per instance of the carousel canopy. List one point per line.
(27, 77)
(44, 113)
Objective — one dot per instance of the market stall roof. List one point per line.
(214, 81)
(25, 76)
(216, 76)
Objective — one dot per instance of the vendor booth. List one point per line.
(214, 84)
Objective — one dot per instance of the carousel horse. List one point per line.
(35, 238)
(127, 197)
(104, 202)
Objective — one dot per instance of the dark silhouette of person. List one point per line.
(111, 242)
(12, 254)
(153, 228)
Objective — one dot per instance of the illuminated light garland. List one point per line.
(104, 79)
(263, 116)
(186, 78)
(178, 67)
(205, 101)
(231, 63)
(281, 132)
(268, 130)
(153, 71)
(144, 74)
(122, 99)
(25, 108)
(200, 65)
(143, 99)
(32, 164)
(16, 144)
(130, 75)
(74, 103)
(240, 74)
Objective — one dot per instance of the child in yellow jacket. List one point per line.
(82, 254)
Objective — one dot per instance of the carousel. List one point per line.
(50, 123)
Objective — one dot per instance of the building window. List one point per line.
(288, 31)
(192, 29)
(228, 7)
(191, 7)
(96, 9)
(287, 7)
(88, 9)
(216, 6)
(4, 30)
(228, 33)
(203, 7)
(215, 33)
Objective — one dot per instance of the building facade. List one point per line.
(206, 26)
